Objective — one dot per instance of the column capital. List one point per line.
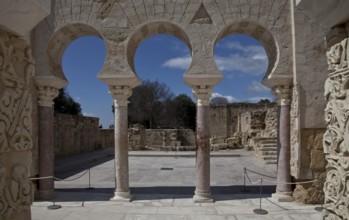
(283, 94)
(120, 94)
(46, 94)
(202, 94)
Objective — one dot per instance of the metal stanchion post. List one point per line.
(245, 190)
(260, 211)
(89, 180)
(54, 206)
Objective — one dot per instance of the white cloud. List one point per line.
(88, 114)
(178, 62)
(257, 99)
(251, 59)
(230, 99)
(257, 87)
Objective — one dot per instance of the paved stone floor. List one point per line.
(163, 185)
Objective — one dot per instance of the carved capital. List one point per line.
(120, 94)
(46, 94)
(283, 94)
(202, 94)
(338, 56)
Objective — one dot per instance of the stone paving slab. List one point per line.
(166, 194)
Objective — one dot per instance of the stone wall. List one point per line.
(159, 138)
(77, 134)
(307, 111)
(235, 117)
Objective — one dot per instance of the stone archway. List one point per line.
(49, 79)
(198, 23)
(201, 21)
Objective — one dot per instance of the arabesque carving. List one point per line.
(105, 8)
(16, 71)
(16, 190)
(336, 137)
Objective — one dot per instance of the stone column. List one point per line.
(202, 170)
(120, 95)
(283, 191)
(46, 94)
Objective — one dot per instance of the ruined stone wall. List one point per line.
(225, 118)
(106, 138)
(75, 134)
(157, 138)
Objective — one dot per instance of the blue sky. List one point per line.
(241, 59)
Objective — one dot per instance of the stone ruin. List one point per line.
(313, 143)
(245, 125)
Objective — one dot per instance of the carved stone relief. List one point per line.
(16, 71)
(16, 190)
(105, 8)
(295, 169)
(336, 137)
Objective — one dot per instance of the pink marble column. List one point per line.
(120, 95)
(202, 170)
(283, 190)
(46, 145)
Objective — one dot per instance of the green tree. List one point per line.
(184, 111)
(147, 104)
(264, 101)
(65, 104)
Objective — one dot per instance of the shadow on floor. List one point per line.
(219, 193)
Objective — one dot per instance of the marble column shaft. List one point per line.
(284, 151)
(202, 170)
(283, 189)
(120, 95)
(121, 149)
(46, 149)
(46, 143)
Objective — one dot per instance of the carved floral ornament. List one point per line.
(202, 94)
(16, 71)
(283, 94)
(336, 137)
(16, 190)
(120, 94)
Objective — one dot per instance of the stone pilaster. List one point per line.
(202, 170)
(120, 95)
(336, 137)
(46, 94)
(283, 190)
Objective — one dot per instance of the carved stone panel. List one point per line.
(336, 137)
(16, 71)
(16, 141)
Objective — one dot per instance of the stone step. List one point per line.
(267, 145)
(270, 162)
(269, 152)
(268, 149)
(269, 157)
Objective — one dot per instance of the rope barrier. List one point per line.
(278, 183)
(261, 174)
(56, 178)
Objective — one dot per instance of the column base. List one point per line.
(202, 198)
(45, 195)
(282, 196)
(122, 197)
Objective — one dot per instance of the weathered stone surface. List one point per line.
(311, 193)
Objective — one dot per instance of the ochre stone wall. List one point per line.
(156, 138)
(312, 160)
(77, 134)
(225, 119)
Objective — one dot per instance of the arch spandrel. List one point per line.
(119, 20)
